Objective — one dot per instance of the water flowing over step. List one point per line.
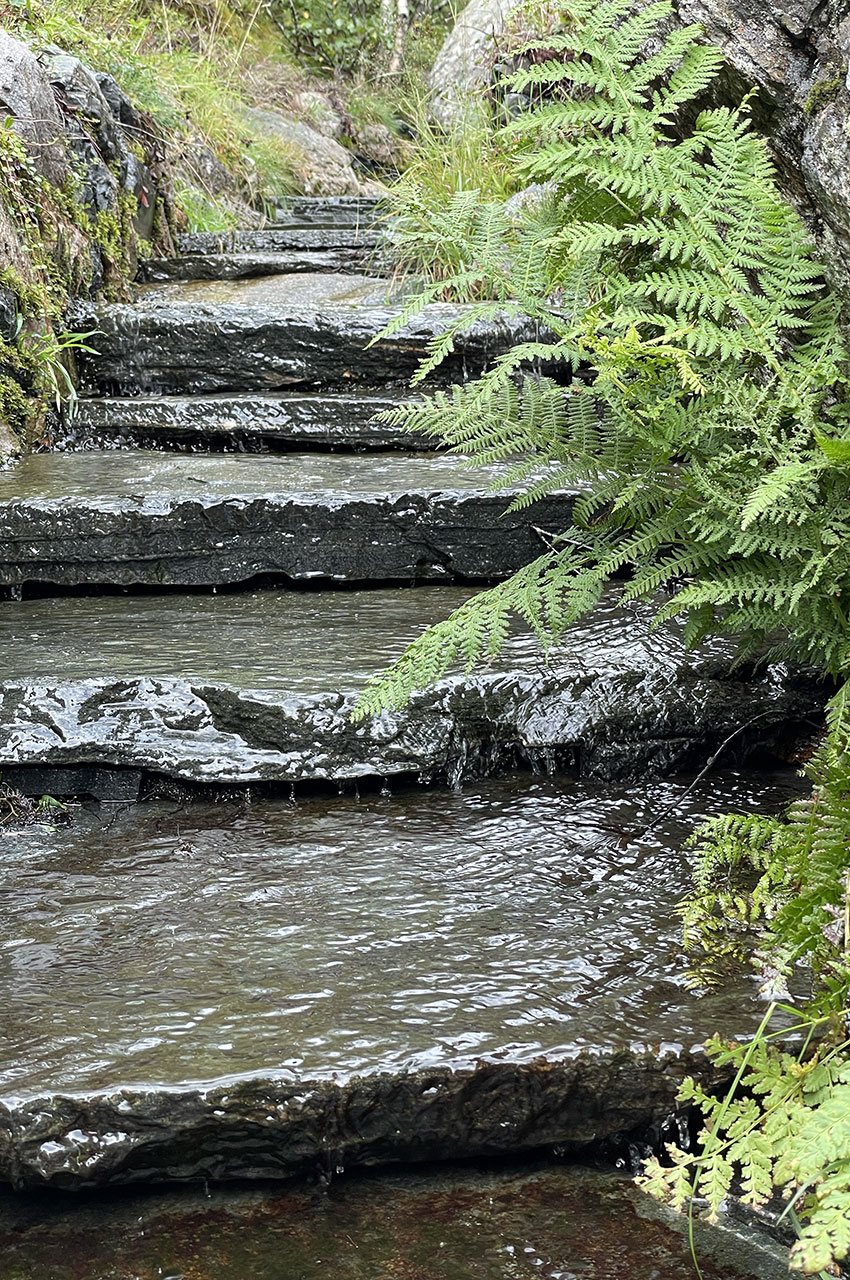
(288, 420)
(542, 1220)
(255, 335)
(278, 240)
(259, 688)
(224, 991)
(134, 517)
(312, 235)
(217, 265)
(327, 211)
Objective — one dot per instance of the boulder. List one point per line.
(465, 61)
(317, 111)
(320, 165)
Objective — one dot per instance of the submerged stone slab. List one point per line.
(254, 335)
(134, 517)
(259, 688)
(279, 239)
(297, 421)
(240, 266)
(542, 1219)
(221, 991)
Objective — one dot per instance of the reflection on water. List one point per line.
(165, 944)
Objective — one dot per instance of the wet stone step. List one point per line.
(221, 991)
(128, 517)
(279, 240)
(258, 687)
(253, 335)
(326, 211)
(239, 266)
(276, 421)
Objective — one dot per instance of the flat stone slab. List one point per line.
(272, 332)
(293, 420)
(326, 211)
(133, 517)
(279, 239)
(542, 1219)
(220, 991)
(244, 688)
(239, 266)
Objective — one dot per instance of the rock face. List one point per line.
(796, 52)
(464, 63)
(26, 95)
(123, 517)
(264, 693)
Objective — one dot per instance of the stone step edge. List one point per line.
(268, 1126)
(460, 726)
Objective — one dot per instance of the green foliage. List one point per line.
(332, 35)
(432, 212)
(783, 1126)
(782, 886)
(687, 376)
(684, 374)
(203, 212)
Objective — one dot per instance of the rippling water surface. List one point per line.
(164, 943)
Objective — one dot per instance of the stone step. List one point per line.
(326, 211)
(257, 687)
(279, 240)
(127, 517)
(243, 266)
(271, 421)
(220, 991)
(256, 335)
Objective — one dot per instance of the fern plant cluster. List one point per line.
(688, 372)
(687, 378)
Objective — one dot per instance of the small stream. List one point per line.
(293, 960)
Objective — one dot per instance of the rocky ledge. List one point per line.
(278, 240)
(143, 518)
(282, 330)
(245, 266)
(259, 688)
(274, 421)
(270, 1128)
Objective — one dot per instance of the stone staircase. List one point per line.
(199, 581)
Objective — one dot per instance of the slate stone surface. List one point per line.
(129, 518)
(259, 687)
